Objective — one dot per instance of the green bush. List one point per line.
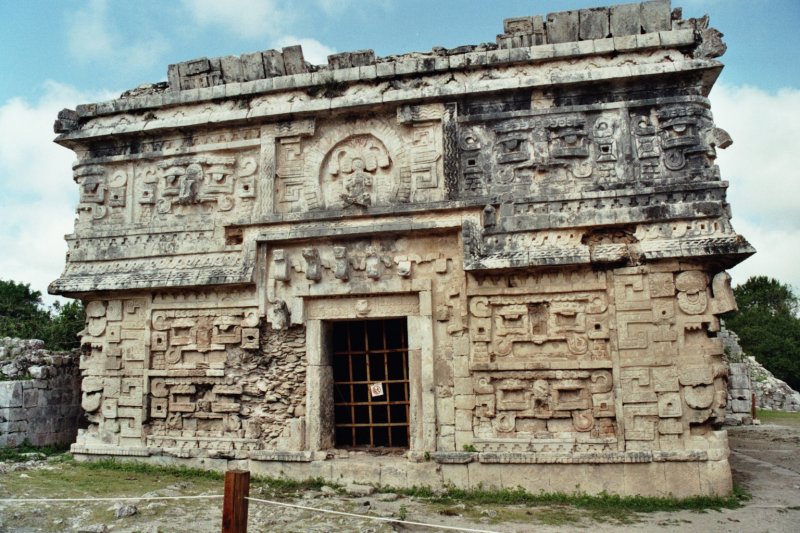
(768, 326)
(23, 315)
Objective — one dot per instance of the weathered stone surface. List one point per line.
(253, 66)
(542, 222)
(359, 490)
(351, 59)
(40, 394)
(125, 510)
(656, 15)
(711, 45)
(594, 23)
(626, 20)
(293, 60)
(563, 27)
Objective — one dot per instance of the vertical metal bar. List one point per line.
(386, 377)
(369, 381)
(352, 391)
(404, 342)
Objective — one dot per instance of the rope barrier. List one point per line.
(379, 518)
(271, 502)
(145, 498)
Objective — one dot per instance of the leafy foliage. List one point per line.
(768, 326)
(22, 315)
(66, 321)
(767, 294)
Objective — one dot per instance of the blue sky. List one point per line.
(57, 54)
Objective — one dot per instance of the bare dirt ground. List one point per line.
(765, 462)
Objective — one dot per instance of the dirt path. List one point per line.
(765, 461)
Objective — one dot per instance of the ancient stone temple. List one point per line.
(496, 265)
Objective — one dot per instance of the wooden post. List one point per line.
(234, 504)
(753, 405)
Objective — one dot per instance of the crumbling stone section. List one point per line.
(39, 394)
(771, 393)
(541, 223)
(280, 378)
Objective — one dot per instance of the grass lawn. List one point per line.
(781, 418)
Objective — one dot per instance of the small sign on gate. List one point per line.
(376, 389)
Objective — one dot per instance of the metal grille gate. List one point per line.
(370, 372)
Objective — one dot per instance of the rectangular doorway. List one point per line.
(370, 390)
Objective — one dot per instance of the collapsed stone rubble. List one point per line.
(749, 377)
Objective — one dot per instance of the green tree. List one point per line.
(768, 326)
(767, 294)
(23, 315)
(65, 323)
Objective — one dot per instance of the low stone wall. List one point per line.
(40, 400)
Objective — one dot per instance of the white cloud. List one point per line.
(762, 167)
(267, 20)
(777, 248)
(88, 34)
(93, 37)
(251, 19)
(37, 193)
(313, 51)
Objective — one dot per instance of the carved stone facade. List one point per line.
(539, 227)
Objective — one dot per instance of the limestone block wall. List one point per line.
(39, 395)
(740, 395)
(543, 219)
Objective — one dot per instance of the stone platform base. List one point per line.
(680, 479)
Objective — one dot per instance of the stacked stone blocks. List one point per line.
(39, 395)
(546, 215)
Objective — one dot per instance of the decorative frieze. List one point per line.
(498, 257)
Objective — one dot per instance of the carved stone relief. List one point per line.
(194, 185)
(114, 357)
(555, 249)
(536, 330)
(103, 194)
(539, 154)
(370, 162)
(673, 377)
(541, 405)
(254, 406)
(192, 338)
(212, 375)
(355, 261)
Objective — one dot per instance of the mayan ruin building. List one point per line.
(497, 265)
